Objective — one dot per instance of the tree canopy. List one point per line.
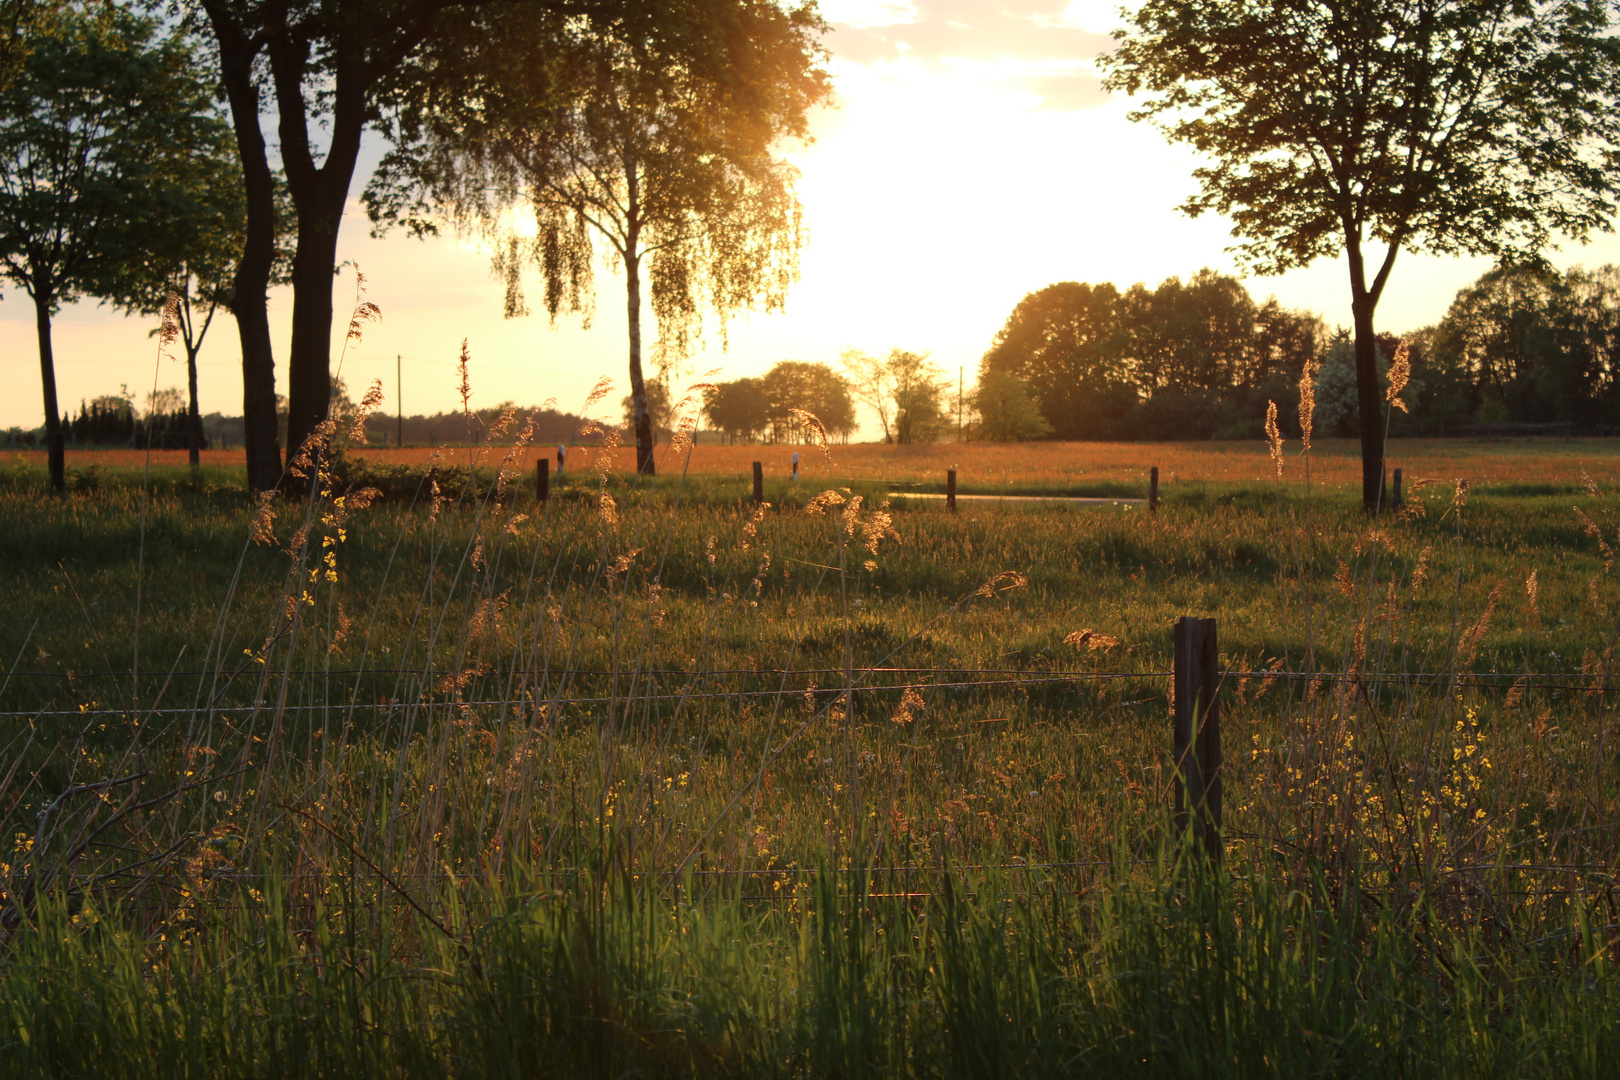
(772, 404)
(109, 148)
(1179, 360)
(654, 136)
(1372, 126)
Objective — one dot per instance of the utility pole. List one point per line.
(399, 404)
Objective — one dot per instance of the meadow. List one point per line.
(420, 778)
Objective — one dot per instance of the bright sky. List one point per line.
(972, 158)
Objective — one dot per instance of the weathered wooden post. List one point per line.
(759, 483)
(1395, 492)
(950, 490)
(795, 477)
(562, 457)
(542, 480)
(1153, 490)
(1196, 719)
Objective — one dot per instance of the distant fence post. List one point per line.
(759, 483)
(950, 490)
(1395, 492)
(1153, 490)
(562, 458)
(795, 477)
(1196, 719)
(542, 480)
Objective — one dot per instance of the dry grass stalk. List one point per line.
(1400, 373)
(1307, 404)
(1274, 437)
(1092, 640)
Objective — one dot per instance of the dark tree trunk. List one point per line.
(249, 295)
(309, 377)
(319, 194)
(193, 417)
(1369, 396)
(1369, 405)
(55, 451)
(638, 386)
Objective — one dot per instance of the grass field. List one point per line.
(1009, 467)
(650, 781)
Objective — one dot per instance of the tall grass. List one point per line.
(435, 781)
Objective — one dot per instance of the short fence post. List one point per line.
(795, 477)
(562, 457)
(1395, 492)
(759, 483)
(1153, 490)
(542, 480)
(950, 490)
(1196, 719)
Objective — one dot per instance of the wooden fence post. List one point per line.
(1196, 717)
(562, 458)
(759, 483)
(1153, 490)
(950, 490)
(542, 480)
(1395, 492)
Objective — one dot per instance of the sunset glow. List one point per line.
(972, 158)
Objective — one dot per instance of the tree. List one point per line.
(872, 383)
(813, 388)
(1068, 342)
(654, 137)
(108, 146)
(919, 396)
(327, 64)
(198, 264)
(739, 409)
(1188, 337)
(1007, 412)
(659, 407)
(1372, 126)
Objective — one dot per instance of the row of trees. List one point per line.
(1523, 345)
(1190, 359)
(773, 406)
(648, 126)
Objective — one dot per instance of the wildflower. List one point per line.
(1532, 592)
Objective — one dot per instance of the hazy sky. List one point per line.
(972, 157)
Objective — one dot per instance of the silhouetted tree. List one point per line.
(654, 135)
(1369, 126)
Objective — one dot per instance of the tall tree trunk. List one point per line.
(319, 193)
(55, 451)
(249, 294)
(1369, 410)
(193, 417)
(638, 386)
(309, 375)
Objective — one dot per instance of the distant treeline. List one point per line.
(1521, 347)
(1187, 360)
(113, 420)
